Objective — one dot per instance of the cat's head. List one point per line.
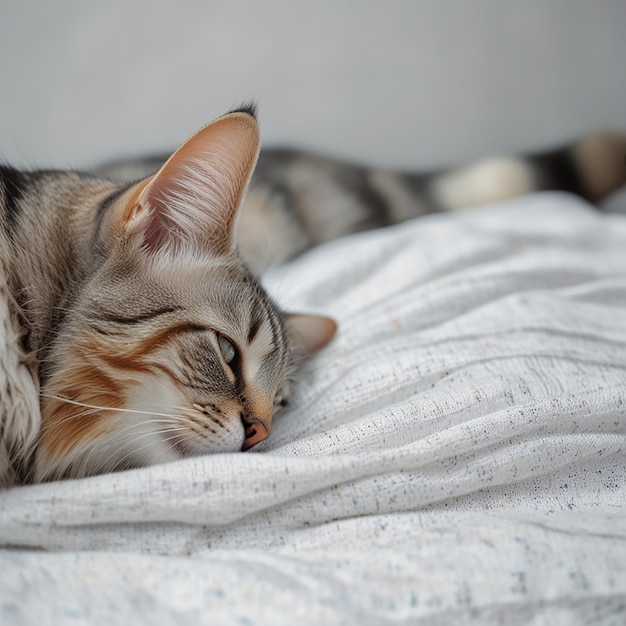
(171, 348)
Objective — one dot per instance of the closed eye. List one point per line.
(230, 354)
(228, 350)
(281, 401)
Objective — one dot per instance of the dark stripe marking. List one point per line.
(420, 185)
(250, 107)
(376, 209)
(107, 316)
(556, 170)
(254, 325)
(13, 183)
(270, 314)
(104, 207)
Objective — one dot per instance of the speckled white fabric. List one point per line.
(456, 455)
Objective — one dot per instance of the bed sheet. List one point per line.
(457, 453)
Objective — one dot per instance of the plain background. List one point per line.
(405, 83)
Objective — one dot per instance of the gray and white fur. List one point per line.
(132, 332)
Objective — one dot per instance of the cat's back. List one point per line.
(44, 216)
(19, 388)
(299, 199)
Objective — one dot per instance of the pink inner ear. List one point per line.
(195, 196)
(156, 229)
(309, 333)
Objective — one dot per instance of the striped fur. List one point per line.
(297, 200)
(133, 332)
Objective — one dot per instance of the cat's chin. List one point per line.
(185, 448)
(138, 435)
(183, 433)
(104, 456)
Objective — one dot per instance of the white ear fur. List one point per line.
(309, 333)
(193, 199)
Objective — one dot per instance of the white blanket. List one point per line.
(456, 454)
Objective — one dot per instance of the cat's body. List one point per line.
(133, 333)
(297, 200)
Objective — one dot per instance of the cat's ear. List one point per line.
(194, 198)
(308, 333)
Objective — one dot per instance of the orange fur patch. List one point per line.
(64, 424)
(258, 407)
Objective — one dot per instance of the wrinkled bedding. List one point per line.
(457, 454)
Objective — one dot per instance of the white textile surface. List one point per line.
(457, 454)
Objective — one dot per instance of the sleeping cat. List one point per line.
(134, 332)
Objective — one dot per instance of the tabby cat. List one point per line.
(134, 329)
(133, 333)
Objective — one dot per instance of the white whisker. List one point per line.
(136, 451)
(101, 408)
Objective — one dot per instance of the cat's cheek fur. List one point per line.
(106, 451)
(182, 428)
(156, 425)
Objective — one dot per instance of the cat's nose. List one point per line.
(255, 432)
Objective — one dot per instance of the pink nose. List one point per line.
(255, 432)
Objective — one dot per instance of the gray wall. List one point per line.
(407, 83)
